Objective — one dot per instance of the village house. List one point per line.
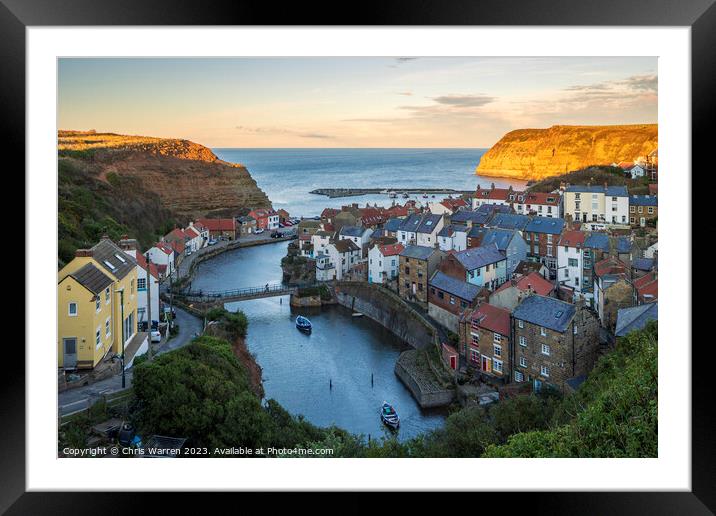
(327, 215)
(602, 204)
(553, 341)
(647, 288)
(162, 255)
(475, 235)
(514, 290)
(383, 262)
(416, 265)
(144, 272)
(283, 216)
(344, 255)
(391, 226)
(484, 341)
(373, 217)
(320, 241)
(526, 267)
(570, 264)
(447, 206)
(183, 240)
(452, 238)
(427, 231)
(305, 230)
(643, 210)
(325, 269)
(246, 225)
(542, 236)
(359, 235)
(266, 219)
(493, 196)
(594, 249)
(203, 232)
(510, 242)
(631, 169)
(642, 266)
(97, 307)
(482, 266)
(449, 297)
(407, 231)
(612, 290)
(538, 203)
(220, 228)
(635, 318)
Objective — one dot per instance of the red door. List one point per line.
(453, 362)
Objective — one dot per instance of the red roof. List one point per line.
(163, 246)
(609, 266)
(178, 246)
(653, 189)
(142, 262)
(162, 268)
(176, 233)
(647, 287)
(534, 280)
(191, 232)
(625, 164)
(328, 213)
(572, 239)
(391, 249)
(549, 199)
(492, 318)
(219, 224)
(453, 204)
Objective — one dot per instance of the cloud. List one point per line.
(632, 87)
(464, 100)
(316, 135)
(404, 93)
(267, 130)
(401, 60)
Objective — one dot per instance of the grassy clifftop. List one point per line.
(540, 153)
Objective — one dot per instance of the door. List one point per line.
(453, 362)
(69, 359)
(486, 364)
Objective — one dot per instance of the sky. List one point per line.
(431, 102)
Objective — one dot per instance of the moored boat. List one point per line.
(389, 416)
(392, 195)
(303, 324)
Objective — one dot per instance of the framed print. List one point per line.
(421, 249)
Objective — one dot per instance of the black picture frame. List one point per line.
(700, 15)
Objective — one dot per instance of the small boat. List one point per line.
(425, 196)
(357, 314)
(392, 195)
(405, 195)
(389, 416)
(303, 323)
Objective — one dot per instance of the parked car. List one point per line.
(259, 231)
(188, 252)
(211, 242)
(156, 335)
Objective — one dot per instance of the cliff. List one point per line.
(142, 186)
(540, 153)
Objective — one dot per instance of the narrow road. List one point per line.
(80, 398)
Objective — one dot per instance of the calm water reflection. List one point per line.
(299, 369)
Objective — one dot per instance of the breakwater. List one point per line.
(354, 192)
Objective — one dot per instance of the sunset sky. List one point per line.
(352, 102)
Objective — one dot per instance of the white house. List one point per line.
(162, 255)
(320, 240)
(569, 259)
(383, 262)
(652, 250)
(203, 233)
(538, 203)
(602, 203)
(145, 273)
(194, 240)
(272, 220)
(453, 238)
(428, 229)
(360, 236)
(344, 254)
(636, 171)
(325, 269)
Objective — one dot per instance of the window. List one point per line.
(141, 283)
(120, 258)
(474, 356)
(452, 300)
(574, 329)
(107, 329)
(519, 377)
(497, 366)
(641, 209)
(498, 350)
(97, 340)
(523, 342)
(72, 310)
(106, 295)
(545, 371)
(631, 220)
(632, 209)
(573, 262)
(523, 362)
(97, 304)
(497, 337)
(441, 294)
(521, 323)
(131, 286)
(545, 349)
(651, 210)
(542, 331)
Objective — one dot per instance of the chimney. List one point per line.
(105, 237)
(83, 253)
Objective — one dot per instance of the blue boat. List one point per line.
(303, 324)
(389, 416)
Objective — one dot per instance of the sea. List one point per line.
(288, 175)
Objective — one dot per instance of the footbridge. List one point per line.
(241, 294)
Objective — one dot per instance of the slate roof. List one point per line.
(352, 231)
(343, 246)
(552, 226)
(611, 191)
(643, 264)
(91, 278)
(635, 318)
(411, 223)
(643, 200)
(428, 223)
(454, 286)
(597, 241)
(510, 221)
(477, 257)
(476, 217)
(500, 237)
(490, 209)
(418, 252)
(392, 224)
(623, 244)
(545, 311)
(451, 229)
(477, 231)
(107, 251)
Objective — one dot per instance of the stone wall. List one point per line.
(387, 309)
(421, 382)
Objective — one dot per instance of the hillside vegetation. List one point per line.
(613, 176)
(540, 153)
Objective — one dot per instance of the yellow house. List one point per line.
(97, 305)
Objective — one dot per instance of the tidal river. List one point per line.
(325, 376)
